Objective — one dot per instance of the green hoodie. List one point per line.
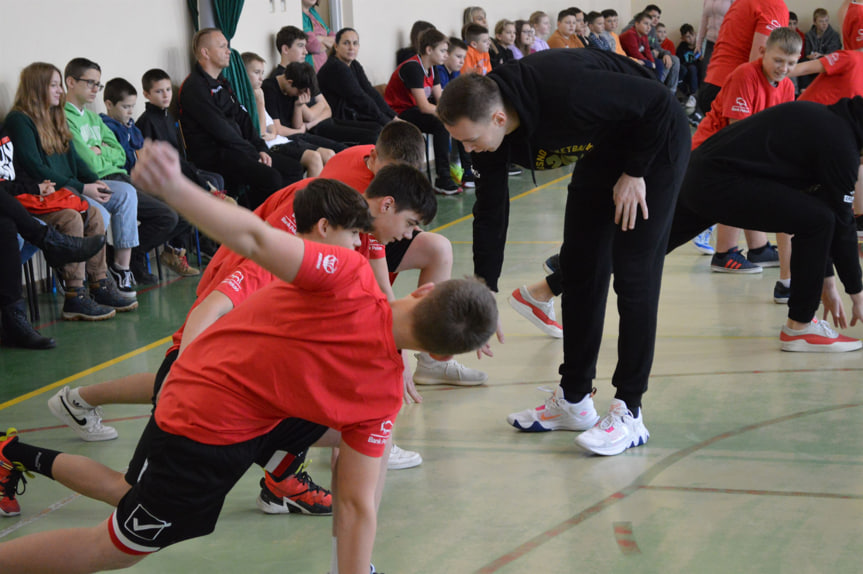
(88, 130)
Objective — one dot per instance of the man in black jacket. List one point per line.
(631, 142)
(218, 130)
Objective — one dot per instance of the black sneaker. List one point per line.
(767, 256)
(140, 274)
(468, 180)
(733, 261)
(104, 292)
(123, 278)
(781, 293)
(552, 264)
(80, 307)
(514, 170)
(446, 186)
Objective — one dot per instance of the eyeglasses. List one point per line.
(92, 84)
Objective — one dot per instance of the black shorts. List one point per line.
(182, 486)
(396, 251)
(293, 149)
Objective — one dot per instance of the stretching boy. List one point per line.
(537, 105)
(284, 334)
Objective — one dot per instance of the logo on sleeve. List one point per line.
(235, 280)
(773, 25)
(741, 105)
(290, 223)
(386, 430)
(832, 58)
(859, 35)
(144, 525)
(329, 263)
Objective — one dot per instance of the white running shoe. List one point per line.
(616, 432)
(432, 372)
(401, 459)
(817, 337)
(86, 422)
(556, 414)
(541, 314)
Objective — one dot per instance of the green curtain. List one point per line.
(227, 13)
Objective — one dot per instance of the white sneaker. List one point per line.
(432, 372)
(556, 414)
(541, 314)
(817, 337)
(86, 422)
(401, 459)
(616, 432)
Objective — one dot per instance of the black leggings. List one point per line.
(712, 195)
(593, 245)
(14, 220)
(348, 132)
(429, 124)
(261, 179)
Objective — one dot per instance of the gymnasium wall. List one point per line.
(128, 37)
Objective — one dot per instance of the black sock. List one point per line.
(759, 250)
(34, 458)
(633, 402)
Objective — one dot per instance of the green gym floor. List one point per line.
(753, 465)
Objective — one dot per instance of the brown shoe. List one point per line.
(175, 259)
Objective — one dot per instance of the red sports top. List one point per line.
(349, 167)
(743, 20)
(409, 75)
(746, 92)
(842, 78)
(852, 28)
(320, 349)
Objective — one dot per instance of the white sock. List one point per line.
(75, 398)
(334, 560)
(786, 282)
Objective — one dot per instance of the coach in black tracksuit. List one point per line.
(620, 125)
(755, 174)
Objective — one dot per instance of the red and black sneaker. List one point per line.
(295, 494)
(11, 473)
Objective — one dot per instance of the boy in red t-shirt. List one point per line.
(750, 88)
(327, 315)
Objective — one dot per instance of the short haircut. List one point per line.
(652, 8)
(401, 142)
(287, 35)
(457, 316)
(793, 16)
(430, 39)
(472, 33)
(118, 89)
(302, 76)
(200, 36)
(536, 17)
(687, 29)
(609, 13)
(340, 204)
(576, 10)
(456, 43)
(641, 16)
(408, 186)
(417, 29)
(820, 13)
(564, 13)
(469, 96)
(152, 76)
(660, 25)
(501, 26)
(250, 57)
(786, 39)
(592, 17)
(78, 66)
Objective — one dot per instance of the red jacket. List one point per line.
(636, 46)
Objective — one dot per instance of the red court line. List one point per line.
(755, 492)
(625, 538)
(640, 482)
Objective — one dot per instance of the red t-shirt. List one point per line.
(852, 28)
(349, 167)
(319, 349)
(842, 78)
(743, 20)
(668, 46)
(409, 75)
(746, 92)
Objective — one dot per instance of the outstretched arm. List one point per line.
(158, 173)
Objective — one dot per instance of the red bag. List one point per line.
(63, 198)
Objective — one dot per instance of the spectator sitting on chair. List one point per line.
(408, 52)
(524, 39)
(821, 40)
(541, 26)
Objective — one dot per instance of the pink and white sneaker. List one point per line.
(541, 314)
(817, 337)
(616, 432)
(556, 413)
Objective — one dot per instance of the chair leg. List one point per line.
(32, 292)
(197, 245)
(428, 157)
(158, 263)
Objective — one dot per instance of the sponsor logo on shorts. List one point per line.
(773, 25)
(386, 430)
(329, 263)
(143, 524)
(741, 105)
(235, 280)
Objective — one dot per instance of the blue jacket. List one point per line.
(129, 137)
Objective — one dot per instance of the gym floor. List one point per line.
(753, 464)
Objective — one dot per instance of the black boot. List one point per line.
(60, 249)
(17, 330)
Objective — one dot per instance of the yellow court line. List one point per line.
(519, 196)
(84, 373)
(155, 344)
